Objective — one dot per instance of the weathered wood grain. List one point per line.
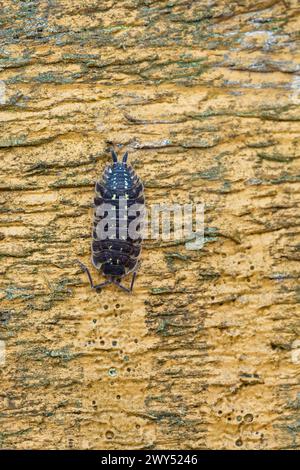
(205, 96)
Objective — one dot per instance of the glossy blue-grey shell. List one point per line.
(117, 257)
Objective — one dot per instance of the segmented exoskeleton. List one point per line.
(117, 227)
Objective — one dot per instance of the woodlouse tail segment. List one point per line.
(114, 156)
(111, 280)
(117, 282)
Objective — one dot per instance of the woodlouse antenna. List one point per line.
(125, 156)
(114, 156)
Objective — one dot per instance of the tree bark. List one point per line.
(205, 97)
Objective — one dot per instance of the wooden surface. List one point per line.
(206, 352)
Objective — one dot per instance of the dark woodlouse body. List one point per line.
(118, 194)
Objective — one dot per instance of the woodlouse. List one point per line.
(119, 202)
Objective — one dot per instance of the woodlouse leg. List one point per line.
(86, 269)
(132, 281)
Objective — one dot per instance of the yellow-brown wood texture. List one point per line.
(205, 97)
